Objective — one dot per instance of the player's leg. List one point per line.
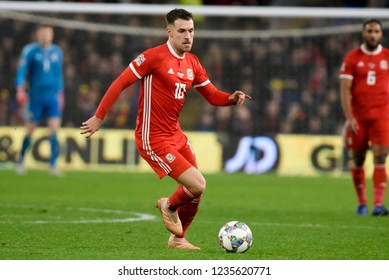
(31, 115)
(54, 124)
(359, 181)
(379, 179)
(191, 186)
(185, 201)
(182, 204)
(358, 143)
(26, 143)
(188, 198)
(379, 136)
(54, 114)
(188, 211)
(164, 159)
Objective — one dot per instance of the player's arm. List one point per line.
(345, 98)
(125, 79)
(217, 97)
(61, 86)
(21, 76)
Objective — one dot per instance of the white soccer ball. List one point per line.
(235, 237)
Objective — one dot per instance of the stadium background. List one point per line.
(288, 64)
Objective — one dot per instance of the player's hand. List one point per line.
(61, 99)
(90, 126)
(238, 97)
(21, 96)
(352, 125)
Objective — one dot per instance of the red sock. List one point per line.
(180, 197)
(187, 213)
(379, 181)
(358, 175)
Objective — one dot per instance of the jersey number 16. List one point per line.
(180, 91)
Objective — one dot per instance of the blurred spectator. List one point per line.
(327, 126)
(72, 85)
(296, 120)
(123, 112)
(271, 122)
(207, 119)
(5, 107)
(233, 64)
(213, 62)
(86, 104)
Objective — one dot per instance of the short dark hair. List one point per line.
(175, 14)
(372, 20)
(43, 26)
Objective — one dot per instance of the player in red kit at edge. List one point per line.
(166, 73)
(364, 86)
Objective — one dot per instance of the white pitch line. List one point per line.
(323, 226)
(134, 216)
(318, 226)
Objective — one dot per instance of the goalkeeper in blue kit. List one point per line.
(40, 68)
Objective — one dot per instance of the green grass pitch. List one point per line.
(112, 216)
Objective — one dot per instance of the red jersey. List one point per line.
(165, 80)
(370, 88)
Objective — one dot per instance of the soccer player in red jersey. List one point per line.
(166, 73)
(364, 87)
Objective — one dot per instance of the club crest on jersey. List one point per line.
(140, 59)
(371, 65)
(170, 158)
(189, 74)
(384, 64)
(54, 57)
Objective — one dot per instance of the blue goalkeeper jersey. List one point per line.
(41, 69)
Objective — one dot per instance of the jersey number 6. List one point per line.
(371, 78)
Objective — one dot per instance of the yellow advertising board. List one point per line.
(114, 150)
(107, 150)
(308, 155)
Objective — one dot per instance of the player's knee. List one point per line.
(379, 159)
(200, 185)
(359, 161)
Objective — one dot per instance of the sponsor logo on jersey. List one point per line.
(384, 64)
(140, 59)
(361, 64)
(170, 71)
(179, 74)
(170, 158)
(189, 74)
(371, 65)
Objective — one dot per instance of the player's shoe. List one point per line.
(362, 210)
(19, 168)
(170, 218)
(180, 243)
(54, 171)
(380, 211)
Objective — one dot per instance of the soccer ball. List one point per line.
(235, 237)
